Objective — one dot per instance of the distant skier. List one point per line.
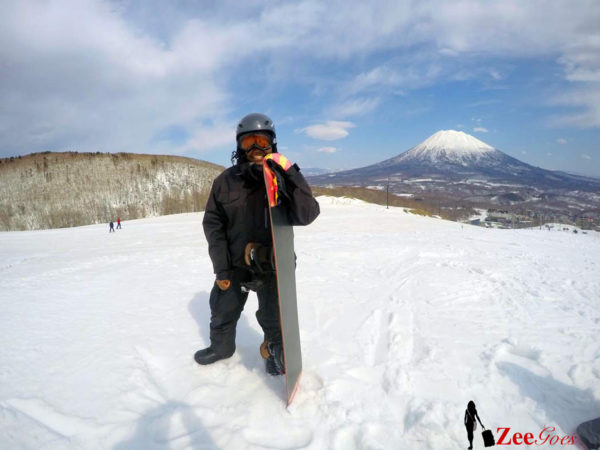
(112, 227)
(470, 424)
(238, 230)
(118, 223)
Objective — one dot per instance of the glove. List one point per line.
(264, 351)
(223, 284)
(256, 252)
(277, 161)
(275, 166)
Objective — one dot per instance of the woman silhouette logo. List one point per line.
(470, 423)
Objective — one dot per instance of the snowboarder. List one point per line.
(118, 223)
(470, 424)
(111, 227)
(238, 230)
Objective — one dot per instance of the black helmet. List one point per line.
(255, 122)
(252, 123)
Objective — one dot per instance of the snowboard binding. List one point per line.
(273, 355)
(261, 261)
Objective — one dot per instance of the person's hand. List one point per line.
(248, 252)
(223, 284)
(277, 161)
(275, 167)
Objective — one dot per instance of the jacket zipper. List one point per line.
(266, 200)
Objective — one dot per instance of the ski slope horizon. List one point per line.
(403, 320)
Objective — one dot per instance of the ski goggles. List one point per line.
(255, 141)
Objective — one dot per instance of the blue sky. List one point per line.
(347, 83)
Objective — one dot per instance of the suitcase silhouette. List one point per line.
(488, 438)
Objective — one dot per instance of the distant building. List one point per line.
(506, 219)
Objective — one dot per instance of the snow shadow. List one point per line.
(199, 309)
(564, 405)
(247, 339)
(167, 423)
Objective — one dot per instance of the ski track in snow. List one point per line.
(404, 319)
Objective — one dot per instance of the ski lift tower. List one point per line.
(387, 194)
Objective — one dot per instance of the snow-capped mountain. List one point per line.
(448, 146)
(455, 155)
(458, 165)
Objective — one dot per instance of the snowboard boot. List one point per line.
(272, 353)
(209, 355)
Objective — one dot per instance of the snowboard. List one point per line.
(285, 271)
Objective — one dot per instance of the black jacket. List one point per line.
(236, 213)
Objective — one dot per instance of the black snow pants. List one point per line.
(226, 308)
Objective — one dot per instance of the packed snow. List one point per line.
(404, 319)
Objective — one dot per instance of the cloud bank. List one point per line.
(119, 76)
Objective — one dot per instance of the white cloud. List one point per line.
(586, 157)
(586, 101)
(106, 75)
(379, 76)
(81, 78)
(561, 141)
(209, 137)
(329, 131)
(582, 59)
(327, 150)
(495, 74)
(355, 107)
(393, 78)
(480, 130)
(482, 103)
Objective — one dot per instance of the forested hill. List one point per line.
(54, 190)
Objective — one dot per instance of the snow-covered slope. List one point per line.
(404, 319)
